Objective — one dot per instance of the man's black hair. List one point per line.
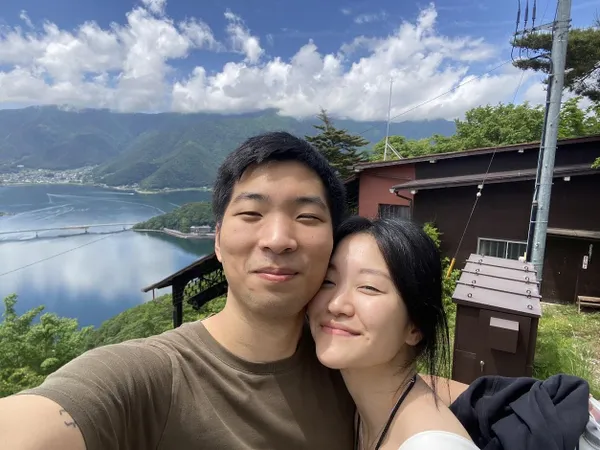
(277, 146)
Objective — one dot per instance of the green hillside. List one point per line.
(154, 151)
(35, 344)
(181, 219)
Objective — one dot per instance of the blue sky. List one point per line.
(295, 56)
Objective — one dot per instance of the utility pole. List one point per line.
(560, 35)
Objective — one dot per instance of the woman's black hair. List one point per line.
(415, 267)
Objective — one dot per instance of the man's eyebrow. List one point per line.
(250, 196)
(302, 200)
(312, 200)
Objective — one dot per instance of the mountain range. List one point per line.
(154, 151)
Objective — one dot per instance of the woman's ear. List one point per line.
(414, 336)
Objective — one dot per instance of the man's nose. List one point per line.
(278, 235)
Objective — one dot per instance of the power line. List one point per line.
(54, 256)
(478, 195)
(441, 95)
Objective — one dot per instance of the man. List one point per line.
(246, 378)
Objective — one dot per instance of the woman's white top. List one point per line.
(434, 440)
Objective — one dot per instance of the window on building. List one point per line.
(501, 248)
(393, 211)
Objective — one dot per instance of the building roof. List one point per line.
(206, 264)
(476, 151)
(494, 177)
(582, 234)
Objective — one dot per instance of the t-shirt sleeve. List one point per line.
(119, 395)
(435, 440)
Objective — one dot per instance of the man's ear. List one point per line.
(218, 241)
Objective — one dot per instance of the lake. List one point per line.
(90, 277)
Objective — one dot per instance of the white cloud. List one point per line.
(155, 6)
(129, 67)
(241, 39)
(25, 18)
(369, 18)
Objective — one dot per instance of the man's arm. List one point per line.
(115, 397)
(33, 422)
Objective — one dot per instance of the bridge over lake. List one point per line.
(84, 228)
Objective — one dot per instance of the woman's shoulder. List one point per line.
(425, 418)
(434, 439)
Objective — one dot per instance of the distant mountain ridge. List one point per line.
(156, 150)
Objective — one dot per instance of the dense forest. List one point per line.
(181, 218)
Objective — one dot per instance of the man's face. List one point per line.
(275, 239)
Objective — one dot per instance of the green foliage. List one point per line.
(30, 351)
(149, 319)
(339, 147)
(503, 124)
(182, 218)
(449, 280)
(583, 58)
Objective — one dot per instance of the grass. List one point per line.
(569, 342)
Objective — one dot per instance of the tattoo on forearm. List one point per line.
(68, 424)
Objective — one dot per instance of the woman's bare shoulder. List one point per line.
(422, 413)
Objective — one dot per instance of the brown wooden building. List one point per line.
(444, 189)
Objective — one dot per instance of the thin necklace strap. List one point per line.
(388, 424)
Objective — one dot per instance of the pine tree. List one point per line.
(339, 147)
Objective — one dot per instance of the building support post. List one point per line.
(178, 288)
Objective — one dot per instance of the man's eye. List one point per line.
(309, 217)
(327, 283)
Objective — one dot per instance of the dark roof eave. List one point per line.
(498, 177)
(475, 151)
(168, 281)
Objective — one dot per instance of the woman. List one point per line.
(379, 313)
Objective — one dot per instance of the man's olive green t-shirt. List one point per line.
(182, 390)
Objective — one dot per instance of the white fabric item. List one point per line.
(437, 440)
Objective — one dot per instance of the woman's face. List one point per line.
(358, 318)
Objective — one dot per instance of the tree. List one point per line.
(30, 351)
(339, 147)
(406, 148)
(583, 58)
(503, 124)
(487, 126)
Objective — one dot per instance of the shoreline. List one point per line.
(116, 188)
(175, 233)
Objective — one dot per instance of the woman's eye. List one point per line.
(371, 288)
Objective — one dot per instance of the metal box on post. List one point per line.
(497, 315)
